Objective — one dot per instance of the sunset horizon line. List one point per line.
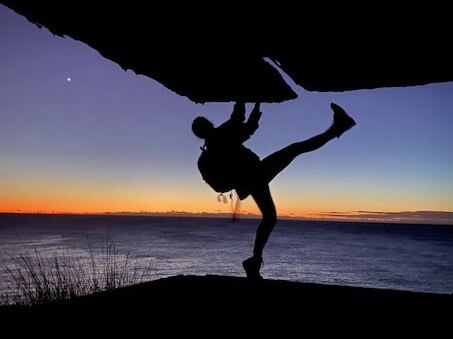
(400, 217)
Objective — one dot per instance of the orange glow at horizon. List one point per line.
(199, 205)
(68, 191)
(62, 197)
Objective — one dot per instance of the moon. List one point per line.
(68, 79)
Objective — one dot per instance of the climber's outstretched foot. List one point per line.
(341, 120)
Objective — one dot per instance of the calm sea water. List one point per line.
(403, 257)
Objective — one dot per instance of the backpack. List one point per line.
(224, 171)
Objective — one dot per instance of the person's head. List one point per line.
(201, 127)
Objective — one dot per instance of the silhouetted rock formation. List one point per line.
(216, 54)
(215, 306)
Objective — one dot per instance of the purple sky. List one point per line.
(111, 140)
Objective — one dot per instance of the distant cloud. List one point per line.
(428, 217)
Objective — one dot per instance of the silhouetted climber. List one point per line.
(226, 164)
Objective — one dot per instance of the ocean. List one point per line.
(408, 257)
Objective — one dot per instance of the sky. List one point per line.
(78, 134)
